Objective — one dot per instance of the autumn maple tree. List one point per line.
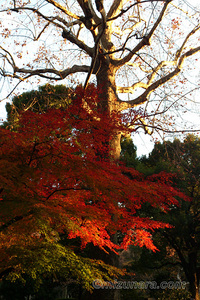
(57, 180)
(131, 49)
(60, 164)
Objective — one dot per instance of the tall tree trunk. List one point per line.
(108, 104)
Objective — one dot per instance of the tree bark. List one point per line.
(193, 275)
(194, 286)
(108, 104)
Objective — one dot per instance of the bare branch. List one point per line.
(146, 40)
(63, 9)
(60, 75)
(52, 19)
(160, 66)
(161, 129)
(88, 11)
(67, 34)
(144, 97)
(96, 48)
(42, 31)
(124, 39)
(8, 57)
(116, 7)
(143, 85)
(67, 24)
(178, 53)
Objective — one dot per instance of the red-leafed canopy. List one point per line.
(56, 179)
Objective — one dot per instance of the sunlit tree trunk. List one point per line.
(106, 84)
(130, 37)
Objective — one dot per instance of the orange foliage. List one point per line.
(56, 177)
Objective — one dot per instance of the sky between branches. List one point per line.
(142, 141)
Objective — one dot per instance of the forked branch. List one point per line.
(152, 87)
(145, 41)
